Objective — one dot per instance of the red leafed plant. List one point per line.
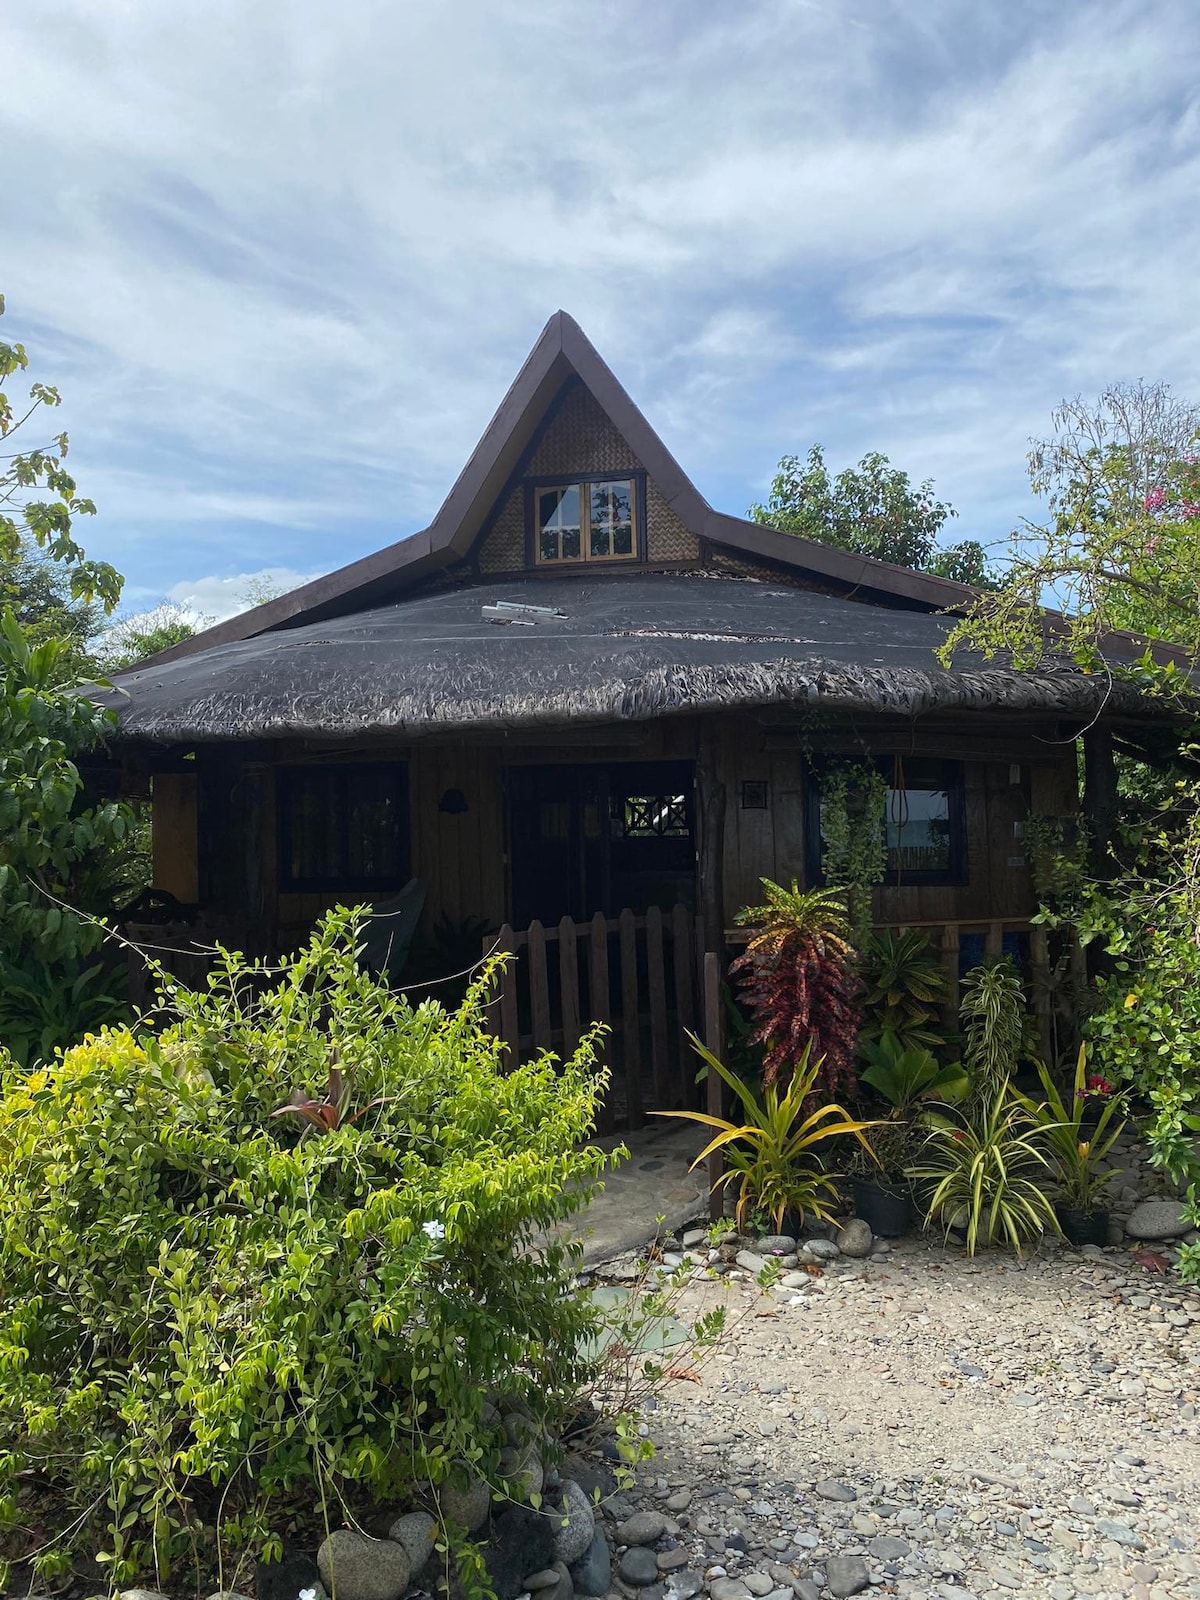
(798, 977)
(329, 1114)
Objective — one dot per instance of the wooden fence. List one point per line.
(640, 975)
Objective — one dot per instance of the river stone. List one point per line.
(643, 1527)
(592, 1573)
(775, 1244)
(143, 1594)
(750, 1261)
(728, 1589)
(362, 1568)
(218, 1594)
(415, 1532)
(467, 1507)
(547, 1578)
(820, 1250)
(575, 1525)
(638, 1566)
(522, 1541)
(886, 1547)
(523, 1465)
(831, 1489)
(846, 1575)
(1156, 1219)
(856, 1238)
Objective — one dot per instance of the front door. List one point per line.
(600, 837)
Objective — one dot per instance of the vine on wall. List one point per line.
(854, 796)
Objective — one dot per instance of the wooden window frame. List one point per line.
(564, 480)
(955, 875)
(346, 772)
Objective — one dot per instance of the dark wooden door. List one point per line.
(600, 836)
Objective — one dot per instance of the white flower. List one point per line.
(307, 1594)
(433, 1230)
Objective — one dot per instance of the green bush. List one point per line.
(216, 1312)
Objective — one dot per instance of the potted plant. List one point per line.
(908, 1077)
(989, 1174)
(1078, 1134)
(771, 1154)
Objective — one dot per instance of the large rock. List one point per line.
(522, 1541)
(820, 1250)
(415, 1531)
(846, 1575)
(1157, 1219)
(592, 1573)
(775, 1244)
(574, 1525)
(353, 1567)
(595, 1478)
(856, 1238)
(468, 1507)
(643, 1527)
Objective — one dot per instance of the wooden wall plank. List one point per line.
(629, 1019)
(656, 990)
(173, 835)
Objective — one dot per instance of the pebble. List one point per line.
(846, 1575)
(728, 1589)
(644, 1527)
(830, 1489)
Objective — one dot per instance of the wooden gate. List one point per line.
(640, 975)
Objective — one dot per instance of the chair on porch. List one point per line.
(388, 931)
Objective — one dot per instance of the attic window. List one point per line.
(586, 520)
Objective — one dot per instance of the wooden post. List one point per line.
(600, 1008)
(630, 1024)
(1100, 798)
(710, 793)
(950, 941)
(568, 983)
(715, 1088)
(656, 994)
(1039, 963)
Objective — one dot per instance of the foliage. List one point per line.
(1075, 1159)
(989, 1174)
(798, 979)
(771, 1154)
(130, 640)
(994, 1023)
(1120, 548)
(54, 847)
(213, 1315)
(640, 1339)
(905, 987)
(38, 497)
(872, 510)
(905, 1075)
(854, 853)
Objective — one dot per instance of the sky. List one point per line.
(284, 258)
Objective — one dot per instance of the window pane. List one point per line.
(558, 523)
(650, 816)
(918, 831)
(611, 512)
(373, 822)
(312, 824)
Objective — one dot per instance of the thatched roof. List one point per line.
(627, 647)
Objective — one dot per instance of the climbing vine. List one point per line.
(854, 797)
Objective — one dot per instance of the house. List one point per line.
(586, 713)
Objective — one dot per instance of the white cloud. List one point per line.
(212, 599)
(284, 260)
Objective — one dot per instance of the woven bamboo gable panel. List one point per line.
(581, 438)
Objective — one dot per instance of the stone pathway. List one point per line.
(922, 1425)
(655, 1182)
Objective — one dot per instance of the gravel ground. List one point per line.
(935, 1427)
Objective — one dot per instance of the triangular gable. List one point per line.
(562, 353)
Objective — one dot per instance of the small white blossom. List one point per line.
(433, 1230)
(307, 1594)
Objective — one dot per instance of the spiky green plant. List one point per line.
(1075, 1159)
(771, 1153)
(990, 1175)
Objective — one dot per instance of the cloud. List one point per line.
(212, 599)
(284, 260)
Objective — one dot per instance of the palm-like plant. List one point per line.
(905, 987)
(906, 1074)
(1075, 1160)
(989, 1174)
(772, 1152)
(798, 979)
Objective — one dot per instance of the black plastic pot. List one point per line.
(1082, 1227)
(887, 1208)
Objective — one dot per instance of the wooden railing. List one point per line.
(640, 975)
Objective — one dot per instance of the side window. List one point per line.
(925, 820)
(342, 827)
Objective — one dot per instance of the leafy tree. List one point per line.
(55, 842)
(145, 634)
(871, 510)
(1120, 546)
